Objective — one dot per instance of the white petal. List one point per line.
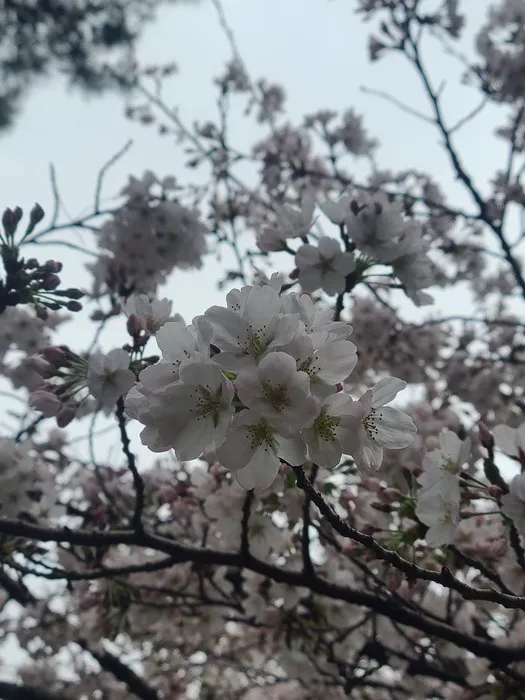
(116, 359)
(291, 450)
(307, 256)
(395, 429)
(333, 282)
(506, 439)
(386, 390)
(261, 471)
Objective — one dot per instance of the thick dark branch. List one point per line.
(13, 691)
(386, 605)
(411, 570)
(16, 589)
(123, 673)
(246, 510)
(92, 574)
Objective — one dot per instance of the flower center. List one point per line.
(209, 403)
(276, 395)
(449, 465)
(260, 434)
(256, 344)
(325, 265)
(370, 424)
(446, 516)
(325, 427)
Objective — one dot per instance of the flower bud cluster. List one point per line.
(69, 378)
(28, 281)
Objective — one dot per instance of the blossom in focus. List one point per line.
(189, 415)
(251, 328)
(379, 426)
(332, 431)
(324, 266)
(278, 392)
(109, 377)
(441, 515)
(253, 450)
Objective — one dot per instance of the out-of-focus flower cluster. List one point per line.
(148, 236)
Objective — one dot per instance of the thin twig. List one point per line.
(138, 483)
(105, 168)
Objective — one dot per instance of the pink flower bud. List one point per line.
(346, 497)
(36, 215)
(371, 483)
(50, 282)
(388, 495)
(52, 266)
(45, 401)
(65, 415)
(495, 491)
(38, 364)
(55, 356)
(134, 325)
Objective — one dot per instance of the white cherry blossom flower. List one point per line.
(180, 343)
(291, 223)
(511, 441)
(333, 428)
(416, 272)
(441, 515)
(152, 314)
(251, 328)
(441, 468)
(380, 230)
(109, 377)
(324, 266)
(338, 211)
(278, 392)
(318, 322)
(253, 450)
(327, 365)
(379, 426)
(513, 503)
(190, 415)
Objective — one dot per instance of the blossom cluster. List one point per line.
(260, 381)
(439, 498)
(375, 232)
(148, 236)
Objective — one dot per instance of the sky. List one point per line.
(315, 48)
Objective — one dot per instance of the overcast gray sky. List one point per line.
(315, 48)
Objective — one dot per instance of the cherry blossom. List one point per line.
(379, 426)
(253, 450)
(188, 415)
(109, 377)
(324, 266)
